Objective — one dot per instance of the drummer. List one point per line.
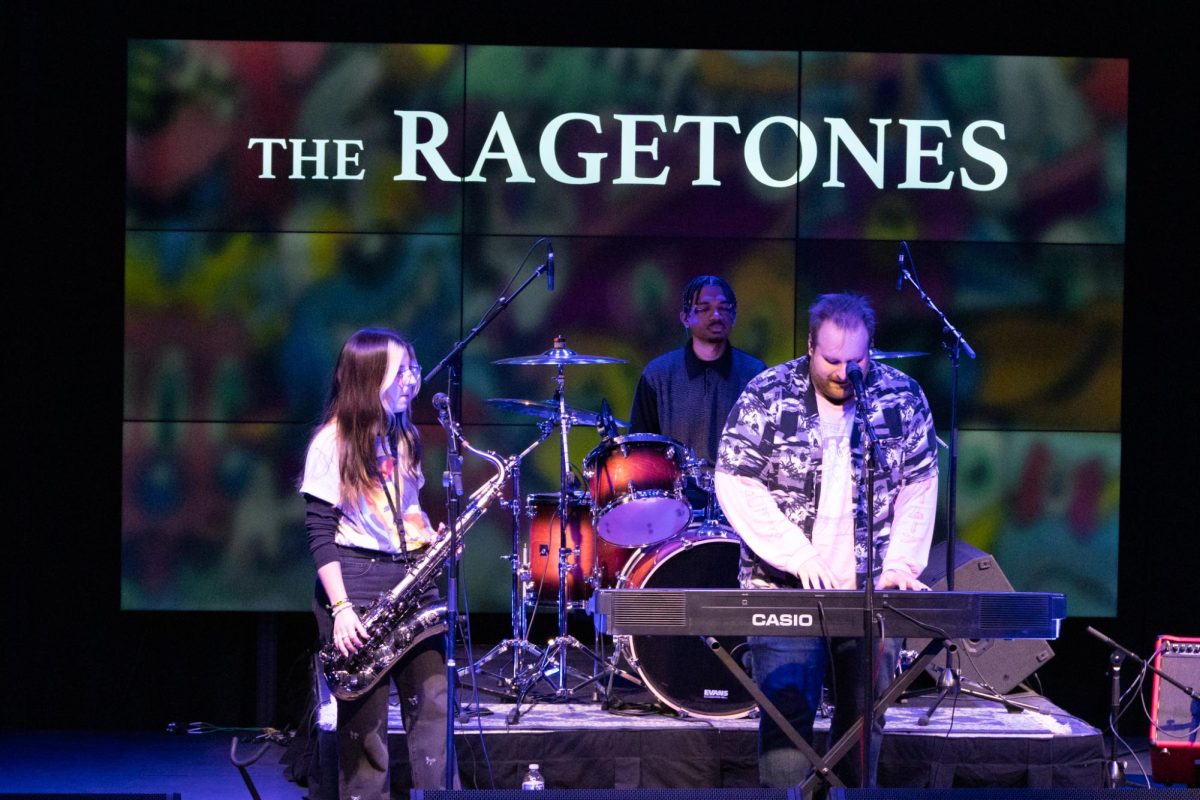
(687, 394)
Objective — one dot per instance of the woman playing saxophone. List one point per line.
(365, 529)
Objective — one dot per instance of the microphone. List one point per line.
(453, 474)
(854, 374)
(441, 401)
(549, 266)
(605, 423)
(902, 273)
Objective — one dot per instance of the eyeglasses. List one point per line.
(705, 310)
(412, 369)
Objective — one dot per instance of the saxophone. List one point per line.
(395, 622)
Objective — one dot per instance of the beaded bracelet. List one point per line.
(338, 606)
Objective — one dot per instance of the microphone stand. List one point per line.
(949, 682)
(872, 458)
(453, 482)
(1115, 773)
(498, 307)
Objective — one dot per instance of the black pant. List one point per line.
(420, 680)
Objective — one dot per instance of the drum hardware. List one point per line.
(552, 667)
(702, 472)
(518, 652)
(606, 423)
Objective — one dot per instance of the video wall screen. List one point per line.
(280, 195)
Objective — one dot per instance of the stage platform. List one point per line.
(580, 744)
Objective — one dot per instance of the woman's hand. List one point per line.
(348, 632)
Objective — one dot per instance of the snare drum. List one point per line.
(637, 489)
(681, 671)
(545, 538)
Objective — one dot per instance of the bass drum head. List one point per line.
(680, 670)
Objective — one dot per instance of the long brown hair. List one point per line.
(355, 408)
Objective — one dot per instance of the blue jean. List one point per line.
(791, 672)
(420, 680)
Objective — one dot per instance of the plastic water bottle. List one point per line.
(533, 780)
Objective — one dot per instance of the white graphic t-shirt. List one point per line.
(368, 523)
(833, 528)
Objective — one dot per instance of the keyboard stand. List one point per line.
(823, 767)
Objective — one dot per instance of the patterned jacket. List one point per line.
(774, 437)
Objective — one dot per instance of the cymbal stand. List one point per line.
(553, 667)
(522, 652)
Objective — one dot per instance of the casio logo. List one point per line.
(782, 620)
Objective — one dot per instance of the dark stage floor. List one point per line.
(156, 764)
(579, 745)
(196, 767)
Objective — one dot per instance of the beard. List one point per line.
(836, 393)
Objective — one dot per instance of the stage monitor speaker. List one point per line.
(1175, 717)
(999, 663)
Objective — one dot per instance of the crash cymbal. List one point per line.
(548, 409)
(559, 354)
(896, 353)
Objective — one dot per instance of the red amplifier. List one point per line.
(1175, 717)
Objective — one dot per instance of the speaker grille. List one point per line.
(1000, 613)
(669, 610)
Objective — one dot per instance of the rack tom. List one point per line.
(636, 483)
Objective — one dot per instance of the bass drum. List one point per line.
(680, 670)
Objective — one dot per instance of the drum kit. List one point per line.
(629, 525)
